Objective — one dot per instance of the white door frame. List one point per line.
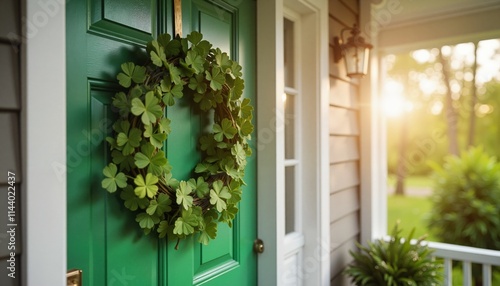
(270, 140)
(44, 142)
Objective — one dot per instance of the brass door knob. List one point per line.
(258, 245)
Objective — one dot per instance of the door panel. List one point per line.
(103, 238)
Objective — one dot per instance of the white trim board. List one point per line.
(44, 116)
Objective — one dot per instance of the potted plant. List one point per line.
(398, 261)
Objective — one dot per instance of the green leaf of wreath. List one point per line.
(185, 224)
(194, 37)
(199, 186)
(130, 73)
(155, 138)
(147, 221)
(208, 230)
(146, 187)
(148, 158)
(113, 179)
(163, 228)
(132, 201)
(150, 111)
(182, 194)
(216, 78)
(129, 141)
(158, 56)
(195, 61)
(218, 193)
(226, 129)
(160, 205)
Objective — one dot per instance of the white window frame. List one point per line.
(270, 140)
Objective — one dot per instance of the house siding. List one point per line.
(344, 130)
(10, 130)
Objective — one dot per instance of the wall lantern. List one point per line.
(355, 51)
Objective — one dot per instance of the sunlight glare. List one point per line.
(394, 103)
(421, 56)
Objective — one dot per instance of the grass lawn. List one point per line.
(413, 181)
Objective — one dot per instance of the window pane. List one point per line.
(288, 53)
(289, 199)
(289, 123)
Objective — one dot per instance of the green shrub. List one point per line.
(394, 263)
(466, 200)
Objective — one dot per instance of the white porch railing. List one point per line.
(467, 255)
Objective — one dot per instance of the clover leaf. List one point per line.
(235, 191)
(246, 128)
(163, 228)
(130, 73)
(182, 194)
(146, 187)
(197, 83)
(160, 205)
(216, 78)
(222, 59)
(150, 111)
(208, 230)
(195, 61)
(147, 221)
(194, 37)
(129, 141)
(226, 129)
(185, 224)
(113, 179)
(125, 162)
(228, 215)
(218, 193)
(239, 153)
(132, 202)
(155, 138)
(169, 91)
(199, 186)
(236, 69)
(208, 144)
(148, 158)
(175, 74)
(121, 102)
(158, 56)
(237, 90)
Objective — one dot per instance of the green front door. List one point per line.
(103, 238)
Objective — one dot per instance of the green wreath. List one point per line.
(180, 67)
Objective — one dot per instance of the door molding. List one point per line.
(270, 139)
(44, 143)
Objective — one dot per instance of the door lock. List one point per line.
(258, 245)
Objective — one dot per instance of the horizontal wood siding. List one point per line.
(344, 128)
(10, 130)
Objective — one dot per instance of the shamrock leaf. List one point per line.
(146, 220)
(206, 167)
(156, 139)
(148, 158)
(113, 179)
(236, 69)
(125, 162)
(226, 129)
(246, 128)
(246, 108)
(160, 205)
(228, 215)
(146, 187)
(170, 181)
(132, 202)
(198, 84)
(130, 73)
(158, 56)
(216, 78)
(164, 125)
(169, 91)
(208, 230)
(163, 228)
(222, 59)
(195, 61)
(199, 186)
(218, 193)
(208, 144)
(185, 224)
(150, 111)
(205, 101)
(129, 141)
(175, 74)
(194, 37)
(238, 87)
(239, 154)
(173, 48)
(235, 191)
(121, 102)
(182, 194)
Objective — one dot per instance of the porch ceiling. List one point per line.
(411, 24)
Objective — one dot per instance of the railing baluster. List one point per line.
(448, 272)
(467, 275)
(486, 275)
